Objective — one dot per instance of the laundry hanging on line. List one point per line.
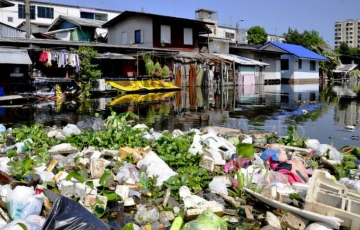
(62, 59)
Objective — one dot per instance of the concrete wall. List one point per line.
(59, 9)
(128, 27)
(296, 75)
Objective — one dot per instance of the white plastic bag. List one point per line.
(17, 199)
(15, 225)
(33, 207)
(334, 154)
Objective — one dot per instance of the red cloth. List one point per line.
(292, 177)
(43, 57)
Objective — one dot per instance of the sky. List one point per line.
(275, 16)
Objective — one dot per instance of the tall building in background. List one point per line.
(347, 31)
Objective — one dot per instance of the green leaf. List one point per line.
(84, 174)
(75, 175)
(245, 150)
(90, 184)
(37, 161)
(11, 153)
(20, 135)
(23, 226)
(98, 201)
(129, 226)
(99, 210)
(27, 163)
(112, 196)
(106, 179)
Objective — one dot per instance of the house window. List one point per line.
(96, 16)
(284, 64)
(312, 65)
(300, 63)
(45, 12)
(21, 11)
(312, 96)
(101, 17)
(165, 34)
(10, 19)
(229, 35)
(188, 36)
(138, 37)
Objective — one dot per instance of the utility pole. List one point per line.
(27, 17)
(238, 37)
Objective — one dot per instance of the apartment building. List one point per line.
(44, 13)
(347, 31)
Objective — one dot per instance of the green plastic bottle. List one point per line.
(178, 221)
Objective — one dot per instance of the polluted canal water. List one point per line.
(170, 162)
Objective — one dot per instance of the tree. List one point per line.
(293, 37)
(256, 35)
(308, 39)
(88, 71)
(344, 48)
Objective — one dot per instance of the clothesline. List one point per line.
(61, 59)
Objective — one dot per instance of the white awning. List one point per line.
(14, 56)
(240, 60)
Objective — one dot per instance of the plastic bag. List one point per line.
(33, 207)
(126, 172)
(94, 124)
(334, 154)
(206, 220)
(146, 215)
(16, 225)
(273, 177)
(321, 150)
(17, 199)
(67, 214)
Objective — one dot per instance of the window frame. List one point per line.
(300, 63)
(312, 65)
(165, 34)
(48, 12)
(140, 37)
(284, 64)
(104, 16)
(188, 40)
(22, 14)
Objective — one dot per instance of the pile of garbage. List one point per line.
(116, 174)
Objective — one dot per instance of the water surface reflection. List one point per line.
(318, 111)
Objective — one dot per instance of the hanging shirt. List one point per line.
(43, 56)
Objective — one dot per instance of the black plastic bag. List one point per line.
(67, 214)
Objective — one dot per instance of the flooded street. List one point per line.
(318, 111)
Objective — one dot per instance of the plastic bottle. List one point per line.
(178, 221)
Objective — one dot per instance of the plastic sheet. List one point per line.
(67, 214)
(206, 220)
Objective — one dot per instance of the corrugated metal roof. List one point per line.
(14, 56)
(345, 68)
(297, 50)
(241, 60)
(76, 21)
(46, 42)
(4, 3)
(115, 56)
